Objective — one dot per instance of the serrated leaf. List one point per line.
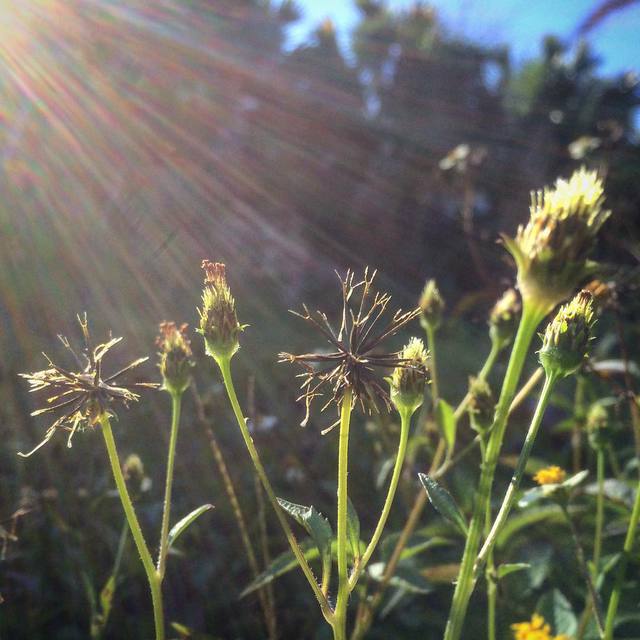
(353, 529)
(406, 577)
(443, 502)
(557, 611)
(505, 569)
(179, 527)
(446, 419)
(316, 525)
(280, 565)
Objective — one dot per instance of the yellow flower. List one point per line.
(536, 629)
(550, 475)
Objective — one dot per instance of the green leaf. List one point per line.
(554, 607)
(446, 420)
(280, 565)
(106, 596)
(353, 529)
(443, 502)
(525, 519)
(575, 480)
(531, 496)
(505, 569)
(406, 577)
(316, 525)
(416, 544)
(179, 527)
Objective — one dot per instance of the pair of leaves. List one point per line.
(443, 502)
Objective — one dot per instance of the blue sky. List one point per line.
(518, 23)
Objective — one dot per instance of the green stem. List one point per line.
(225, 369)
(405, 422)
(531, 318)
(510, 494)
(614, 600)
(176, 401)
(492, 592)
(584, 569)
(597, 540)
(433, 367)
(340, 619)
(134, 525)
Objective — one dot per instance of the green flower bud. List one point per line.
(503, 318)
(598, 427)
(551, 251)
(431, 305)
(133, 471)
(565, 343)
(218, 321)
(408, 380)
(481, 405)
(175, 357)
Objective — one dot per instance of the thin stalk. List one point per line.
(436, 470)
(134, 525)
(176, 402)
(531, 317)
(225, 369)
(267, 590)
(492, 592)
(510, 494)
(340, 614)
(433, 365)
(614, 599)
(582, 562)
(597, 539)
(405, 422)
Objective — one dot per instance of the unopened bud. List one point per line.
(565, 344)
(408, 380)
(481, 405)
(175, 357)
(431, 305)
(503, 318)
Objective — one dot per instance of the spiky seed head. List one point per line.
(550, 475)
(408, 381)
(551, 250)
(219, 324)
(565, 344)
(503, 318)
(175, 357)
(481, 405)
(431, 305)
(598, 427)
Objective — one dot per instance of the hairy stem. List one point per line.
(405, 422)
(134, 525)
(176, 402)
(531, 317)
(342, 600)
(225, 369)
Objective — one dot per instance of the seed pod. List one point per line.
(565, 344)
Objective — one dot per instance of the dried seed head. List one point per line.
(550, 475)
(85, 396)
(218, 321)
(481, 405)
(354, 354)
(175, 357)
(551, 251)
(408, 381)
(503, 318)
(431, 305)
(565, 344)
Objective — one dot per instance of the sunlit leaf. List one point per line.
(443, 502)
(353, 529)
(446, 420)
(505, 569)
(178, 529)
